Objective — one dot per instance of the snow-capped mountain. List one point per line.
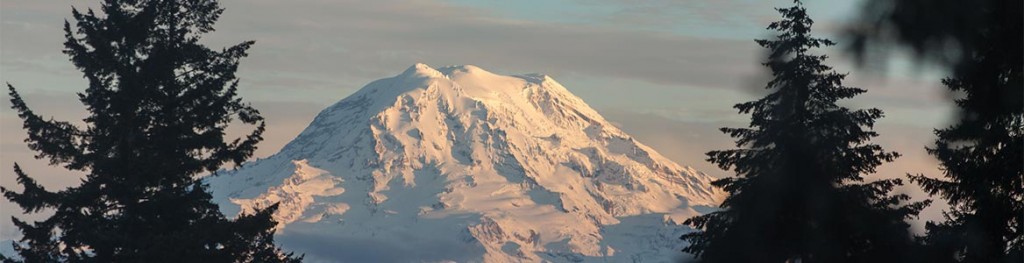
(460, 164)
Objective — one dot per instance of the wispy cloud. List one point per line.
(373, 39)
(667, 71)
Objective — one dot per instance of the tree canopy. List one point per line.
(798, 193)
(158, 104)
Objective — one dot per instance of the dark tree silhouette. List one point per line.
(799, 194)
(982, 154)
(158, 103)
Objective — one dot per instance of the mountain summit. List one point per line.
(461, 164)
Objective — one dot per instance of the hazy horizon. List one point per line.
(667, 73)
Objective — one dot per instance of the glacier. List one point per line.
(458, 164)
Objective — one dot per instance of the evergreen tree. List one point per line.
(981, 157)
(159, 103)
(799, 194)
(982, 154)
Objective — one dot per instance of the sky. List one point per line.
(665, 71)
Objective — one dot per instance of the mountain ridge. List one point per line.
(511, 168)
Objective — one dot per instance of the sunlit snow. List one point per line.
(460, 164)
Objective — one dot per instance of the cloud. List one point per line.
(669, 88)
(369, 40)
(318, 44)
(674, 13)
